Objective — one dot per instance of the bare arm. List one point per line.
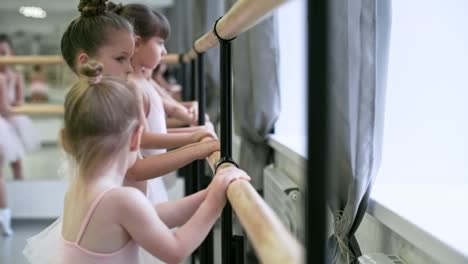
(176, 213)
(174, 123)
(190, 129)
(175, 110)
(173, 140)
(19, 90)
(165, 141)
(146, 228)
(4, 107)
(176, 130)
(158, 165)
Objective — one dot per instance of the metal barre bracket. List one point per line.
(216, 32)
(181, 58)
(195, 49)
(223, 160)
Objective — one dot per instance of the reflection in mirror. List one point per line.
(35, 94)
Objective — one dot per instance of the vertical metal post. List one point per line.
(183, 79)
(201, 90)
(193, 79)
(238, 249)
(317, 172)
(190, 169)
(206, 248)
(226, 141)
(193, 167)
(201, 98)
(184, 171)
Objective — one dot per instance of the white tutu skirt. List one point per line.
(24, 129)
(39, 88)
(156, 191)
(46, 246)
(11, 147)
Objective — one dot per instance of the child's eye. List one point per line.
(120, 59)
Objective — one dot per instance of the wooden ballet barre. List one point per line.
(39, 109)
(171, 59)
(242, 16)
(46, 59)
(271, 240)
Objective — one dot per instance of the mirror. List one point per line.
(42, 85)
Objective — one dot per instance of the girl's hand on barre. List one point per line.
(198, 135)
(205, 148)
(218, 186)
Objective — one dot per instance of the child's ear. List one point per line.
(83, 58)
(64, 141)
(135, 140)
(138, 42)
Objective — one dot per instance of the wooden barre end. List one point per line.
(53, 59)
(39, 109)
(273, 243)
(171, 59)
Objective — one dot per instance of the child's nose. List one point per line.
(129, 69)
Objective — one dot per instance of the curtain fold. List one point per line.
(359, 38)
(256, 95)
(190, 20)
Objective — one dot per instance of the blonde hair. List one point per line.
(100, 115)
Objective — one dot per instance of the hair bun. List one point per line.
(113, 7)
(92, 7)
(92, 70)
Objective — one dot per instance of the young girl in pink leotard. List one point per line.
(104, 221)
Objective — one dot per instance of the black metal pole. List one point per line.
(206, 248)
(238, 249)
(201, 98)
(194, 168)
(316, 175)
(190, 170)
(193, 79)
(192, 175)
(226, 141)
(183, 80)
(201, 90)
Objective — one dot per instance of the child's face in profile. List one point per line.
(116, 56)
(152, 51)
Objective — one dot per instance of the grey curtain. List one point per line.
(359, 42)
(189, 21)
(255, 67)
(256, 94)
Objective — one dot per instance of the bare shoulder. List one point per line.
(125, 193)
(126, 198)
